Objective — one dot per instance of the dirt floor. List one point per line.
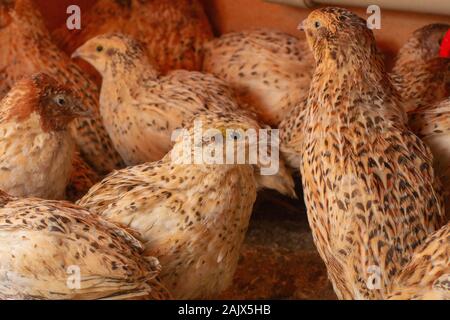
(279, 260)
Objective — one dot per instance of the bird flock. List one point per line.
(93, 204)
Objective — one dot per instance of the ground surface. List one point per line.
(279, 260)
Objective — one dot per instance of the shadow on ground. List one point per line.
(279, 260)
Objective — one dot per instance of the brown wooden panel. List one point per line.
(231, 15)
(54, 11)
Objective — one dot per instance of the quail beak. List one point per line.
(76, 54)
(302, 26)
(81, 55)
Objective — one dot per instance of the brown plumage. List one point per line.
(270, 70)
(423, 80)
(82, 178)
(141, 108)
(26, 48)
(291, 135)
(36, 149)
(45, 243)
(420, 75)
(192, 217)
(173, 31)
(368, 181)
(427, 275)
(432, 125)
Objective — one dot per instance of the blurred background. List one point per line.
(233, 15)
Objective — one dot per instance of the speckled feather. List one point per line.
(291, 134)
(42, 239)
(193, 218)
(368, 181)
(427, 275)
(141, 108)
(82, 178)
(270, 70)
(27, 48)
(432, 125)
(420, 75)
(173, 31)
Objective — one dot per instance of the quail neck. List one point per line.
(358, 82)
(121, 75)
(130, 65)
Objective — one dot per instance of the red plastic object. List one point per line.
(445, 46)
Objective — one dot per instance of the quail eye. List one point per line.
(60, 101)
(99, 48)
(317, 24)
